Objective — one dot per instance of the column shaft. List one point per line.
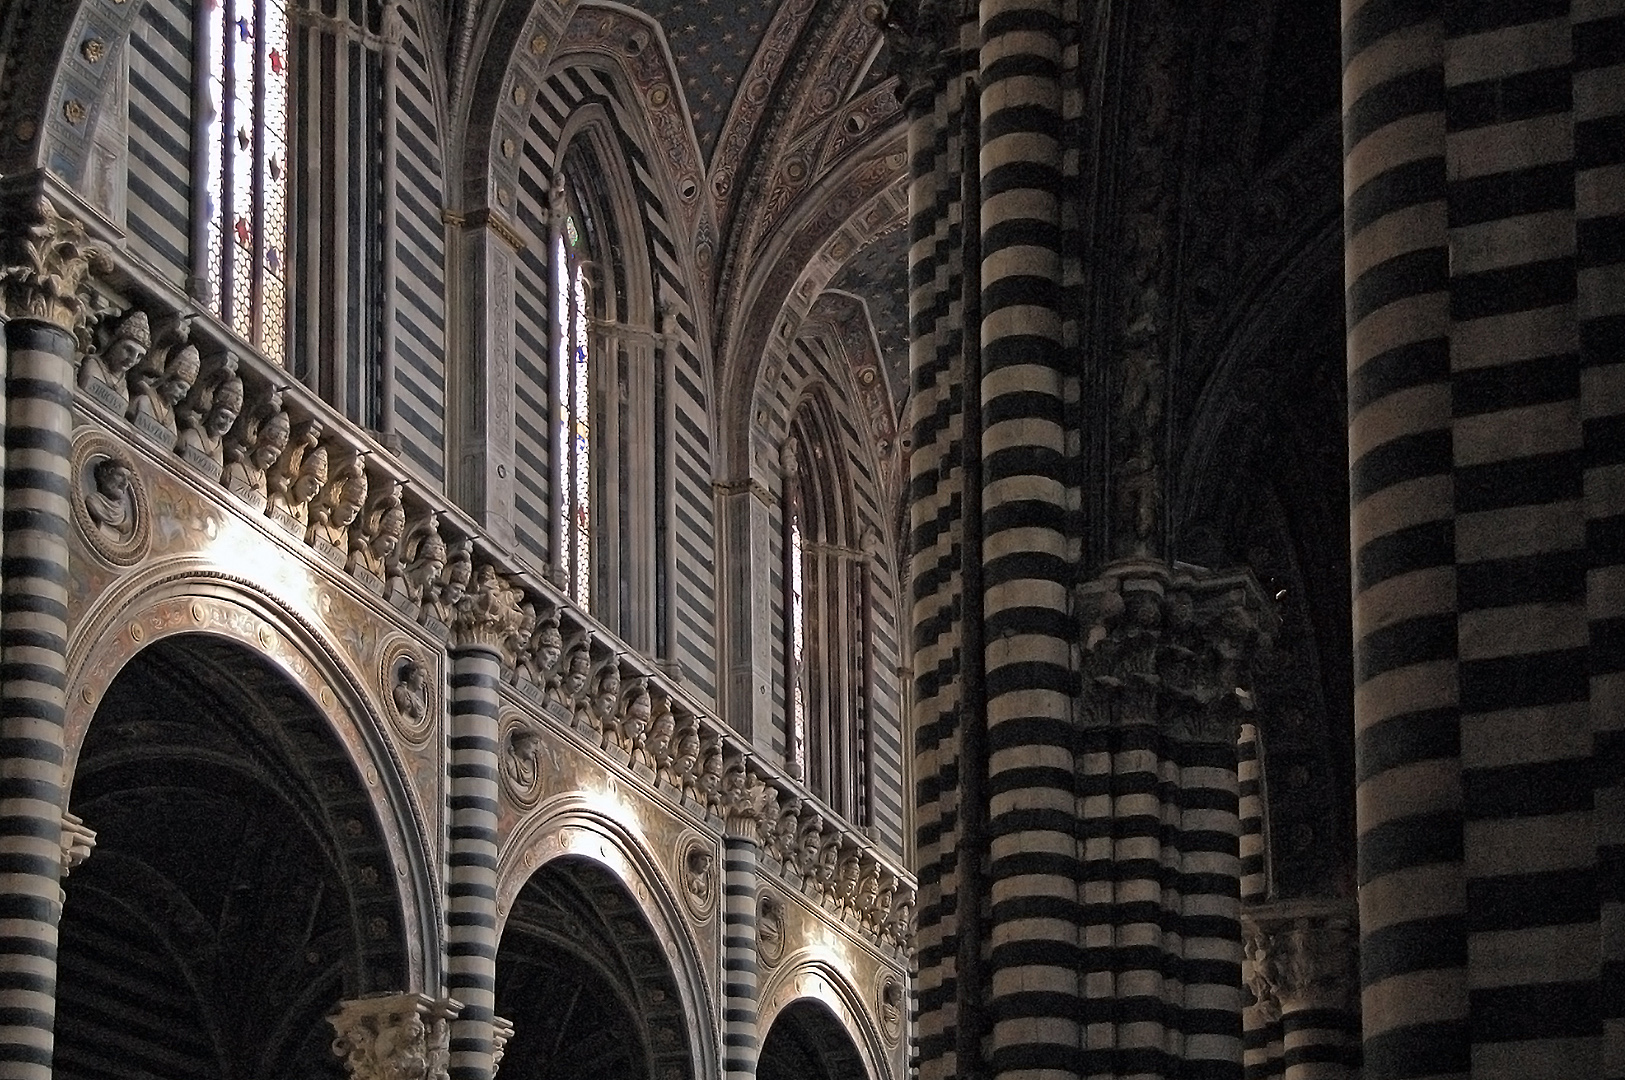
(1027, 557)
(33, 681)
(1406, 699)
(471, 907)
(740, 1040)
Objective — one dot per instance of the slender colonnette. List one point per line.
(1026, 565)
(740, 1044)
(471, 900)
(45, 262)
(936, 147)
(1599, 208)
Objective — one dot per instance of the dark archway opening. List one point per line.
(807, 1042)
(586, 983)
(240, 886)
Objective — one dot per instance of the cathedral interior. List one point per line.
(812, 539)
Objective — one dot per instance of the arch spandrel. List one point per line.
(216, 574)
(595, 828)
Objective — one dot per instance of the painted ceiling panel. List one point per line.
(713, 42)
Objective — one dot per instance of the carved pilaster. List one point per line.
(45, 260)
(394, 1036)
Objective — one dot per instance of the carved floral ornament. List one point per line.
(395, 1036)
(45, 261)
(1301, 960)
(1171, 645)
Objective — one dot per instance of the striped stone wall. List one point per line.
(693, 590)
(159, 161)
(1482, 263)
(420, 252)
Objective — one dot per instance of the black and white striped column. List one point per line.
(471, 900)
(1599, 211)
(740, 1043)
(1409, 818)
(33, 681)
(1027, 557)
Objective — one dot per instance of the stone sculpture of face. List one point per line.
(272, 441)
(351, 496)
(609, 690)
(223, 413)
(550, 648)
(577, 676)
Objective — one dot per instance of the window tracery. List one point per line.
(244, 264)
(573, 367)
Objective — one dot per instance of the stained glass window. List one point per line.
(573, 365)
(245, 168)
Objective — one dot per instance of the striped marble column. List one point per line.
(483, 620)
(1165, 654)
(41, 276)
(1406, 701)
(1302, 958)
(1027, 557)
(740, 1043)
(1599, 208)
(938, 149)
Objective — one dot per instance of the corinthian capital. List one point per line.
(45, 259)
(1300, 954)
(395, 1036)
(488, 615)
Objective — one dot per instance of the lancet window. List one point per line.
(244, 214)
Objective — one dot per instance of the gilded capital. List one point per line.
(395, 1036)
(44, 264)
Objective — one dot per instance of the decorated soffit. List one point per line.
(878, 276)
(713, 42)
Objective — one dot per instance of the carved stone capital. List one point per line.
(1172, 645)
(1300, 956)
(488, 615)
(919, 34)
(395, 1036)
(45, 261)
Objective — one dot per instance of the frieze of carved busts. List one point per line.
(880, 908)
(337, 506)
(298, 475)
(375, 539)
(569, 684)
(685, 764)
(105, 369)
(809, 842)
(596, 711)
(868, 889)
(519, 638)
(395, 1036)
(440, 603)
(660, 744)
(899, 926)
(781, 841)
(637, 709)
(423, 561)
(537, 661)
(208, 414)
(159, 384)
(253, 446)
